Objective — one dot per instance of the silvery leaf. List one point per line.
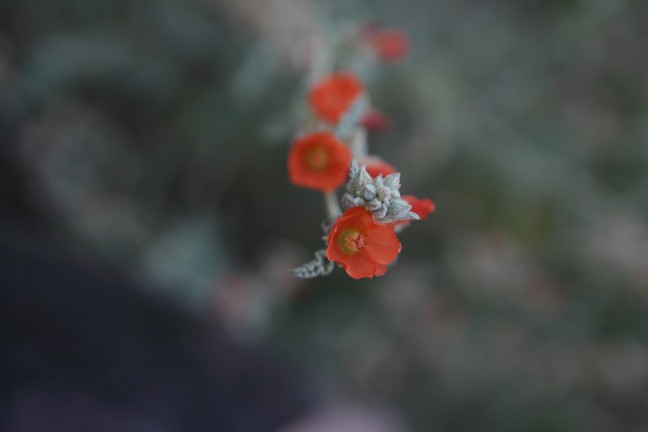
(383, 193)
(381, 213)
(392, 181)
(411, 216)
(373, 205)
(368, 192)
(320, 266)
(400, 204)
(349, 201)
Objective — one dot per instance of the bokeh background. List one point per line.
(154, 134)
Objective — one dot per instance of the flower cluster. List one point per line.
(334, 152)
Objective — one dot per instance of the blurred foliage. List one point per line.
(155, 133)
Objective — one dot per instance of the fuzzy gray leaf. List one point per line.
(392, 181)
(349, 201)
(368, 192)
(400, 204)
(320, 266)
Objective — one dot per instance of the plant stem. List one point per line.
(359, 144)
(333, 210)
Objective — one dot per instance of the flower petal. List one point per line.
(382, 244)
(358, 267)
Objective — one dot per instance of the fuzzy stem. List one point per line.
(333, 210)
(359, 146)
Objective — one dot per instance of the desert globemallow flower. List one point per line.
(388, 44)
(362, 246)
(333, 95)
(318, 160)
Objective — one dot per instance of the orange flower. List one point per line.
(389, 44)
(333, 95)
(319, 161)
(363, 247)
(376, 166)
(422, 207)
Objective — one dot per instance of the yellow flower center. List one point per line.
(317, 158)
(351, 241)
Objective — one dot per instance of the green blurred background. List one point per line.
(154, 134)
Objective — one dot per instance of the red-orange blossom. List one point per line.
(320, 161)
(332, 96)
(362, 246)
